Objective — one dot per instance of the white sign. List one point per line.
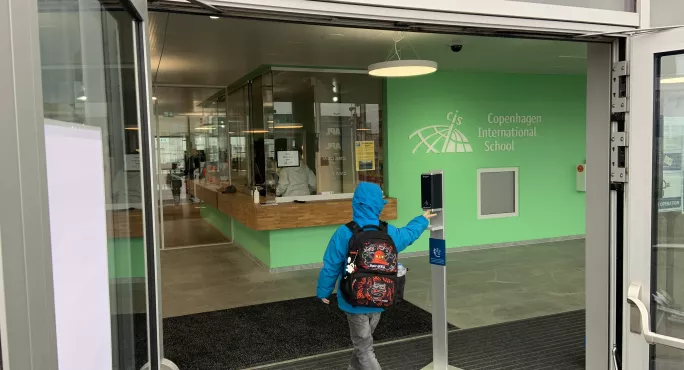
(671, 188)
(500, 136)
(78, 235)
(288, 158)
(443, 138)
(132, 162)
(336, 109)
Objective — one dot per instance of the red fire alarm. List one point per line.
(580, 168)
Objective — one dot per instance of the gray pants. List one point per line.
(361, 328)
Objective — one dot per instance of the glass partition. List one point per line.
(292, 132)
(191, 148)
(237, 114)
(334, 119)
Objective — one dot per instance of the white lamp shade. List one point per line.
(402, 68)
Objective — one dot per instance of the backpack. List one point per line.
(370, 274)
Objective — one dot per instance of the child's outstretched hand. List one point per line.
(325, 300)
(429, 214)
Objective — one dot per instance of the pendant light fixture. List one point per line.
(394, 66)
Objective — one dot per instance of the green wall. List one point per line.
(255, 242)
(299, 246)
(281, 248)
(126, 257)
(549, 205)
(216, 218)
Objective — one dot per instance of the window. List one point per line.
(497, 192)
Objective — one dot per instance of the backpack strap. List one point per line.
(353, 227)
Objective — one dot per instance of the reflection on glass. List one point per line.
(668, 253)
(336, 120)
(329, 123)
(191, 150)
(237, 115)
(88, 73)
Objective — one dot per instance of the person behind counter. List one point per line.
(296, 181)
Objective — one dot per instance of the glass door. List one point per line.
(653, 319)
(95, 74)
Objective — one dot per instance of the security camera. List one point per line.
(456, 47)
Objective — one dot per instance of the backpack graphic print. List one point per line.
(370, 276)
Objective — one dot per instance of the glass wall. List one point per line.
(237, 116)
(328, 123)
(88, 66)
(191, 146)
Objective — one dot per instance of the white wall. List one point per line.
(667, 13)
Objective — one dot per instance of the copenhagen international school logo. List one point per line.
(443, 138)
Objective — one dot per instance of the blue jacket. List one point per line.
(366, 207)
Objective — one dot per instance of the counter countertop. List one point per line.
(262, 217)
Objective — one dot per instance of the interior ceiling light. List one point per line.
(394, 66)
(214, 17)
(257, 131)
(288, 126)
(82, 98)
(672, 80)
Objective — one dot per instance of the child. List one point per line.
(367, 205)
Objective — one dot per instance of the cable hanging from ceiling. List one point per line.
(395, 66)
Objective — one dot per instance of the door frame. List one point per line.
(600, 57)
(27, 313)
(22, 64)
(496, 14)
(602, 53)
(639, 207)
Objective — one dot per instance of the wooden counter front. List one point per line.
(208, 193)
(241, 207)
(125, 224)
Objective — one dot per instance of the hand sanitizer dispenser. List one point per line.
(581, 177)
(431, 191)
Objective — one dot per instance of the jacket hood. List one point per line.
(367, 204)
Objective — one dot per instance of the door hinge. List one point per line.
(619, 106)
(620, 76)
(618, 157)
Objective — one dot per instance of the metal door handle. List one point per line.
(640, 323)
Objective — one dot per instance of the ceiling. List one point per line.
(196, 50)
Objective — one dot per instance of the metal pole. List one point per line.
(440, 350)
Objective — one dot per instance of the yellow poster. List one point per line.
(365, 156)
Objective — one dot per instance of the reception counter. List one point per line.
(125, 244)
(281, 236)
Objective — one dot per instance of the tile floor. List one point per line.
(484, 286)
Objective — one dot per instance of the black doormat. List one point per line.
(541, 343)
(254, 335)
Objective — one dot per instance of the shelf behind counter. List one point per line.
(241, 207)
